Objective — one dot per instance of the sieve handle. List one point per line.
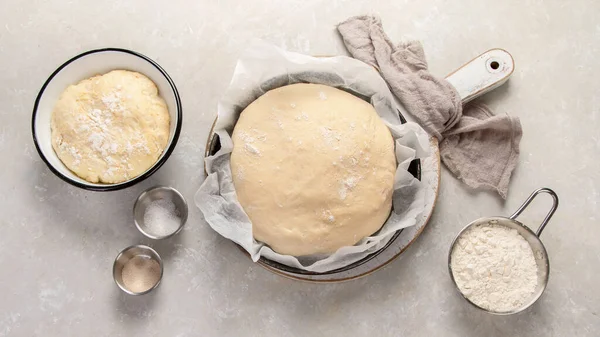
(528, 201)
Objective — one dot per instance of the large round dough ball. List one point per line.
(313, 167)
(110, 128)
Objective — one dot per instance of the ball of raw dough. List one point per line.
(313, 167)
(110, 128)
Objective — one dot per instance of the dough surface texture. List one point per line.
(110, 128)
(313, 167)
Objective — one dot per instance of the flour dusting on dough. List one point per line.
(330, 136)
(328, 216)
(240, 173)
(347, 185)
(110, 127)
(252, 149)
(248, 143)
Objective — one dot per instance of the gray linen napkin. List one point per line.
(478, 147)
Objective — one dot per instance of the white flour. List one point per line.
(330, 136)
(347, 185)
(494, 267)
(250, 141)
(98, 124)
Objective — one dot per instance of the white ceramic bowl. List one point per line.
(85, 65)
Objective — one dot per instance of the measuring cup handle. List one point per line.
(528, 201)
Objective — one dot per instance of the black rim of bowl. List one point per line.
(155, 167)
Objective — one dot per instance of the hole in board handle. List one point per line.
(494, 65)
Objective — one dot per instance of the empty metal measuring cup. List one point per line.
(533, 238)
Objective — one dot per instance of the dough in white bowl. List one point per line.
(313, 167)
(110, 128)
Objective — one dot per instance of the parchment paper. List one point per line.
(264, 67)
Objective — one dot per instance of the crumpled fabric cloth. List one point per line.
(479, 148)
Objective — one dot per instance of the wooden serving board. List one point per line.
(480, 75)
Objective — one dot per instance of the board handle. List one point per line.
(482, 74)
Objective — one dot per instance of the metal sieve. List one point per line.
(533, 238)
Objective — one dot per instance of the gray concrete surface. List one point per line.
(57, 242)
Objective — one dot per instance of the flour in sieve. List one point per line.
(494, 267)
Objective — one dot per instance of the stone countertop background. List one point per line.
(57, 242)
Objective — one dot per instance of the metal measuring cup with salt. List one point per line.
(532, 238)
(160, 212)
